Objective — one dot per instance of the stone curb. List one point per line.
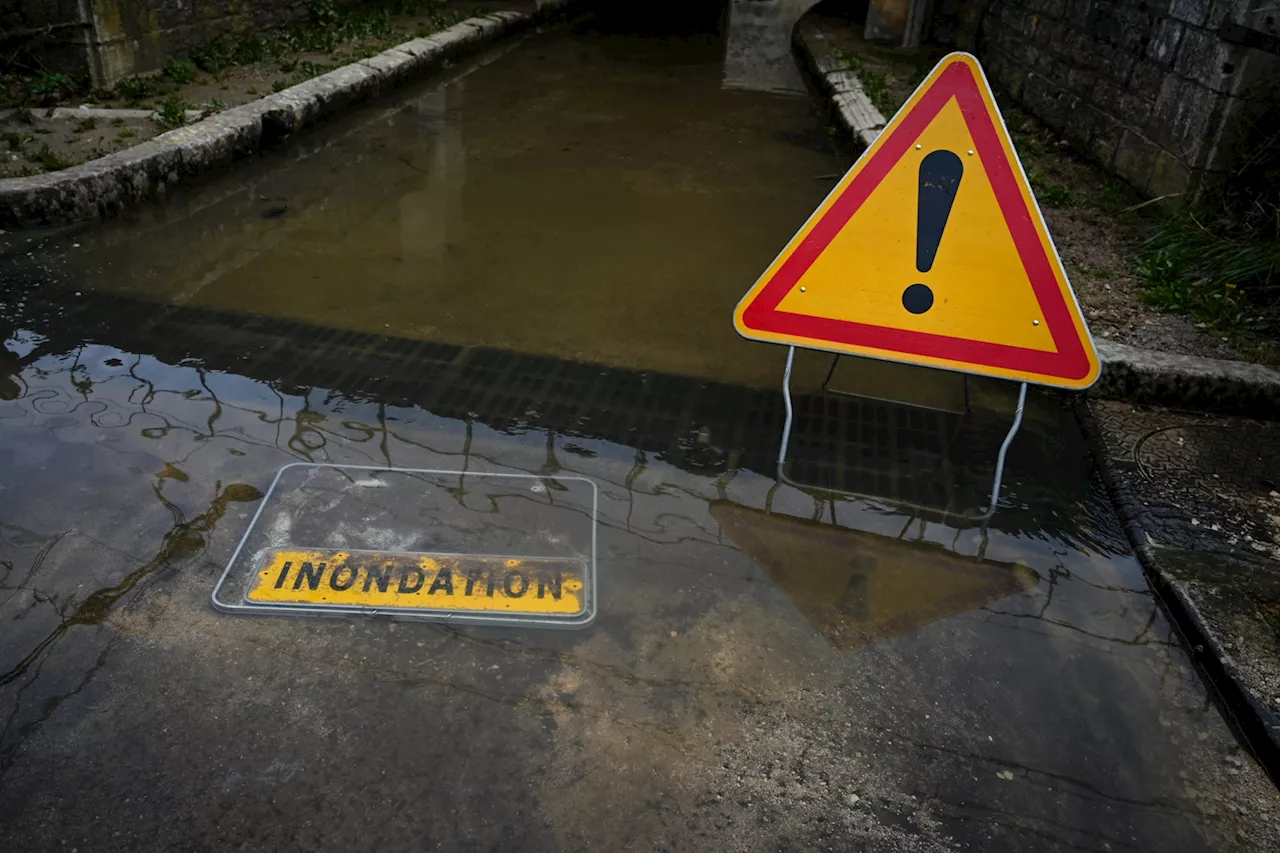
(851, 107)
(1128, 373)
(109, 184)
(1188, 382)
(1241, 702)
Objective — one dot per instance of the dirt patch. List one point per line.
(37, 137)
(49, 140)
(1092, 215)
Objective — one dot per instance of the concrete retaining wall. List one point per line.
(107, 185)
(105, 40)
(1162, 92)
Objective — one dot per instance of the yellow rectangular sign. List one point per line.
(404, 581)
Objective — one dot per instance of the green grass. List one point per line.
(86, 124)
(875, 84)
(180, 70)
(49, 160)
(1028, 145)
(49, 85)
(17, 141)
(327, 28)
(136, 90)
(172, 113)
(1225, 283)
(1048, 192)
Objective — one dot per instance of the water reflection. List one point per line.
(137, 431)
(856, 587)
(757, 53)
(184, 442)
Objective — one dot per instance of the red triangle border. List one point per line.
(956, 81)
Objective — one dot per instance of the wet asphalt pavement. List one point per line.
(772, 666)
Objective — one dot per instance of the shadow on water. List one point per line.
(467, 279)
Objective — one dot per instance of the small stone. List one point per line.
(1006, 775)
(673, 633)
(853, 799)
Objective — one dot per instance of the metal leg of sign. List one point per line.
(786, 398)
(1004, 448)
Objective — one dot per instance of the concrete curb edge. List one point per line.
(1128, 373)
(1246, 708)
(109, 184)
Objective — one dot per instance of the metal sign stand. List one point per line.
(1004, 447)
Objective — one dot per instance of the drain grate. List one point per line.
(848, 444)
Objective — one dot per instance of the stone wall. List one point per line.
(43, 33)
(1165, 93)
(105, 40)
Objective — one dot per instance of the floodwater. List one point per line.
(528, 267)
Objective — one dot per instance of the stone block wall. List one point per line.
(106, 40)
(48, 33)
(1158, 91)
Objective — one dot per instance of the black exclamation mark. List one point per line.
(940, 173)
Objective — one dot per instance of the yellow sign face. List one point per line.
(931, 251)
(402, 581)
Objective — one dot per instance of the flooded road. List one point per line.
(436, 282)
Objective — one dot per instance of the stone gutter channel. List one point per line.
(107, 185)
(1209, 583)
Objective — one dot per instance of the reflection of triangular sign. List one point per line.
(855, 587)
(931, 251)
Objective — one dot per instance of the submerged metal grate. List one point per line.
(848, 444)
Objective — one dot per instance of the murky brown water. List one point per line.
(773, 667)
(591, 195)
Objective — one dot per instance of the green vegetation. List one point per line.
(875, 84)
(1028, 146)
(1048, 192)
(1227, 283)
(217, 105)
(172, 113)
(48, 160)
(180, 70)
(136, 90)
(50, 86)
(326, 29)
(127, 133)
(24, 115)
(280, 85)
(85, 125)
(17, 141)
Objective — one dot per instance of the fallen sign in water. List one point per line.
(456, 546)
(930, 251)
(398, 581)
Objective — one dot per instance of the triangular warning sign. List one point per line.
(931, 251)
